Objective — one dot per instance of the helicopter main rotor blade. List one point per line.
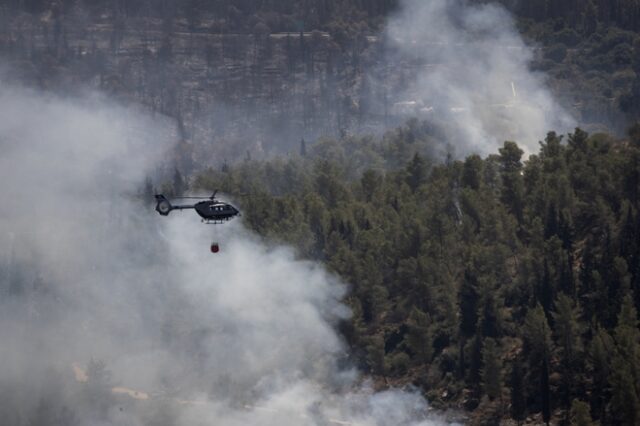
(180, 198)
(189, 198)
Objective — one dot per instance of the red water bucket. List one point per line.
(215, 248)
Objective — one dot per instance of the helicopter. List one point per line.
(211, 210)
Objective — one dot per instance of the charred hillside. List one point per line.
(234, 87)
(242, 79)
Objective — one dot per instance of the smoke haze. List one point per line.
(95, 283)
(91, 276)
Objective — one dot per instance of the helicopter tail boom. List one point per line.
(164, 206)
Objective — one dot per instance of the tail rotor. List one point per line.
(163, 206)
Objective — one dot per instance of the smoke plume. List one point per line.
(471, 68)
(113, 315)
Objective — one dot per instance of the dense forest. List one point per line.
(321, 14)
(503, 285)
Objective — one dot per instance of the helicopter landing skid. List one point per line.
(214, 222)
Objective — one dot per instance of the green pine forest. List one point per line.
(504, 286)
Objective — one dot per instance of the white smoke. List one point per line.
(473, 68)
(87, 272)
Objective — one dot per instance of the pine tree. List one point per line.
(375, 354)
(580, 415)
(546, 289)
(518, 398)
(472, 172)
(545, 391)
(491, 369)
(370, 181)
(566, 284)
(551, 226)
(536, 332)
(600, 351)
(489, 321)
(586, 287)
(628, 236)
(468, 304)
(475, 364)
(419, 337)
(567, 331)
(537, 337)
(461, 360)
(512, 182)
(416, 172)
(625, 403)
(625, 374)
